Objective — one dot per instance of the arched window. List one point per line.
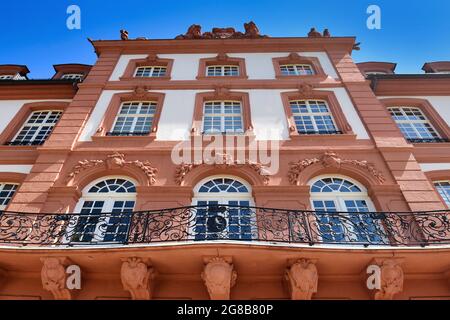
(7, 191)
(233, 220)
(443, 187)
(104, 211)
(343, 211)
(414, 125)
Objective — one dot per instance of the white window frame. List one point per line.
(311, 115)
(153, 71)
(298, 68)
(411, 122)
(2, 185)
(38, 125)
(135, 116)
(341, 197)
(223, 70)
(222, 116)
(109, 199)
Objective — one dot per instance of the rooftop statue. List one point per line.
(195, 32)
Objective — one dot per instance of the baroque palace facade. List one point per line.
(362, 176)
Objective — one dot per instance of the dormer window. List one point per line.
(368, 73)
(72, 76)
(151, 72)
(6, 77)
(222, 71)
(296, 70)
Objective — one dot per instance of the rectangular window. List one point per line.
(296, 70)
(313, 117)
(414, 124)
(222, 71)
(222, 117)
(37, 128)
(151, 72)
(7, 191)
(134, 118)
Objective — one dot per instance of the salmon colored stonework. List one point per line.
(88, 179)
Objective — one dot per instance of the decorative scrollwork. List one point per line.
(331, 159)
(115, 160)
(220, 222)
(221, 161)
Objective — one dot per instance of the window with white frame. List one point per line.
(296, 70)
(73, 76)
(414, 124)
(443, 187)
(37, 128)
(104, 211)
(151, 72)
(342, 211)
(313, 117)
(222, 117)
(222, 71)
(134, 118)
(7, 191)
(236, 222)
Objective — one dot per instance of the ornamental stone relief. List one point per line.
(219, 277)
(302, 278)
(114, 161)
(331, 160)
(53, 276)
(220, 161)
(138, 277)
(392, 278)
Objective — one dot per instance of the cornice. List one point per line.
(232, 45)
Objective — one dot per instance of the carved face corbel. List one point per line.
(302, 278)
(140, 92)
(222, 57)
(152, 59)
(219, 277)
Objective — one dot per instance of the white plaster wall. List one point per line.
(426, 167)
(440, 103)
(258, 65)
(97, 115)
(16, 168)
(9, 108)
(267, 111)
(350, 112)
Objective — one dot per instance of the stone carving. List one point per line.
(313, 33)
(114, 161)
(138, 278)
(392, 278)
(221, 161)
(330, 159)
(124, 34)
(305, 90)
(219, 277)
(53, 276)
(356, 46)
(302, 278)
(139, 93)
(195, 32)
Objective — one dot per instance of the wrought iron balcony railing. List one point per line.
(320, 132)
(217, 222)
(25, 143)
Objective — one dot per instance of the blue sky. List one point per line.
(35, 32)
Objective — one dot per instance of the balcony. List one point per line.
(231, 223)
(431, 140)
(127, 134)
(25, 143)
